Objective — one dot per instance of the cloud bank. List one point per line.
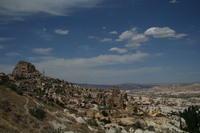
(90, 69)
(52, 7)
(101, 60)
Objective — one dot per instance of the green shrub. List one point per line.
(92, 122)
(104, 113)
(138, 124)
(13, 87)
(151, 128)
(106, 121)
(88, 96)
(38, 113)
(9, 85)
(191, 115)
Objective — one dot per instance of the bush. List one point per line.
(38, 113)
(151, 128)
(106, 121)
(191, 115)
(13, 87)
(104, 113)
(10, 85)
(92, 122)
(138, 124)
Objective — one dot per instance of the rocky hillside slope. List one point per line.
(31, 102)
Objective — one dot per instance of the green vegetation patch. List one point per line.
(13, 87)
(92, 122)
(38, 113)
(191, 115)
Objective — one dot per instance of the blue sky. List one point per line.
(103, 41)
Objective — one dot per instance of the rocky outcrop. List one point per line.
(25, 70)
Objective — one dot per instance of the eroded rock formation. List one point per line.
(25, 70)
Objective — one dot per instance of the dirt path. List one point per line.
(27, 110)
(26, 106)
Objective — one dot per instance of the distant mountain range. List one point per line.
(124, 86)
(135, 86)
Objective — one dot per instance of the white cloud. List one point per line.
(119, 50)
(43, 51)
(132, 36)
(180, 35)
(106, 40)
(113, 32)
(100, 76)
(101, 60)
(53, 7)
(125, 35)
(6, 38)
(139, 38)
(61, 31)
(133, 45)
(173, 1)
(12, 54)
(89, 69)
(163, 32)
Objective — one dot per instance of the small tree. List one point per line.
(92, 122)
(191, 115)
(37, 112)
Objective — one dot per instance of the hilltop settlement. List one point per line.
(31, 102)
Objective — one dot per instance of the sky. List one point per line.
(103, 41)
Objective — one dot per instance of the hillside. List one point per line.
(31, 102)
(15, 116)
